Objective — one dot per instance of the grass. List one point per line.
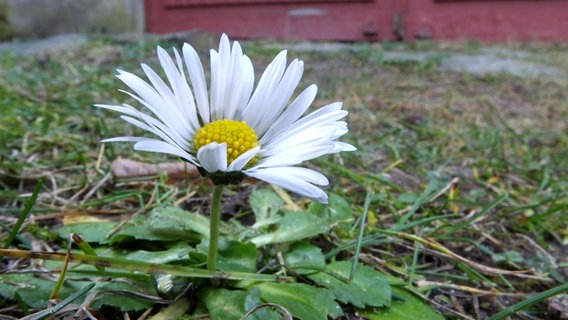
(459, 177)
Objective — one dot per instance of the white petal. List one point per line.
(236, 83)
(166, 111)
(182, 94)
(282, 94)
(279, 97)
(153, 145)
(224, 66)
(213, 157)
(295, 156)
(243, 159)
(197, 79)
(170, 104)
(156, 127)
(151, 124)
(342, 146)
(308, 138)
(124, 139)
(178, 130)
(295, 179)
(125, 108)
(246, 86)
(219, 65)
(143, 91)
(313, 136)
(324, 117)
(159, 85)
(291, 114)
(255, 110)
(232, 81)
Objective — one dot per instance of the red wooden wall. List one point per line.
(355, 20)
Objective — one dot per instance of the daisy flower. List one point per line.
(236, 130)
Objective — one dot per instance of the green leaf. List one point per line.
(508, 256)
(368, 287)
(177, 253)
(165, 224)
(114, 293)
(223, 303)
(304, 258)
(233, 256)
(301, 300)
(406, 306)
(337, 211)
(252, 301)
(406, 198)
(264, 203)
(295, 225)
(34, 291)
(90, 231)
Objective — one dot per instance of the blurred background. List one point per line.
(334, 20)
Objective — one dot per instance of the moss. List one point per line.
(112, 17)
(6, 30)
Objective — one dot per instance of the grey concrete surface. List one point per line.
(487, 61)
(46, 46)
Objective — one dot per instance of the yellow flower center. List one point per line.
(238, 136)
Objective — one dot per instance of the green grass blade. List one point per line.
(22, 240)
(412, 269)
(422, 199)
(466, 223)
(529, 302)
(49, 312)
(361, 231)
(23, 214)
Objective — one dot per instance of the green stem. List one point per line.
(214, 227)
(141, 267)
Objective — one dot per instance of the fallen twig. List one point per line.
(176, 171)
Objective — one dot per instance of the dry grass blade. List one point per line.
(440, 250)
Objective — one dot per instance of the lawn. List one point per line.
(460, 177)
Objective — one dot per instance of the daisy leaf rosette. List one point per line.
(233, 130)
